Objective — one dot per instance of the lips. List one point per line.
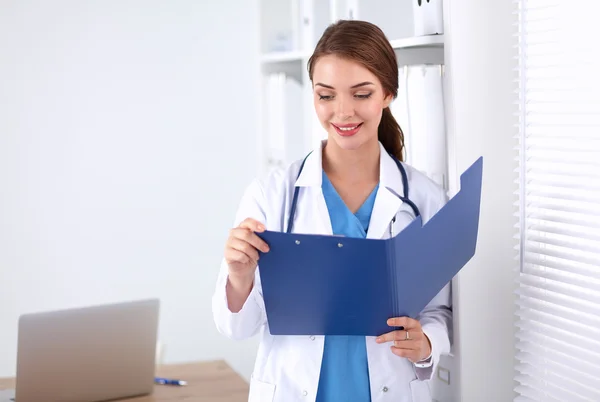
(347, 130)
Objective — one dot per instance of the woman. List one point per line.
(350, 186)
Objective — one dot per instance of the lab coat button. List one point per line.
(304, 393)
(384, 389)
(312, 337)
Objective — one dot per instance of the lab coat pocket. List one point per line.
(420, 391)
(261, 391)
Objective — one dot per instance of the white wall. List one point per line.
(480, 55)
(127, 135)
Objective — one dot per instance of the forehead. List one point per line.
(339, 72)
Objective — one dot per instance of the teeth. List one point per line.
(347, 128)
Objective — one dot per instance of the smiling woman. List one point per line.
(352, 186)
(354, 71)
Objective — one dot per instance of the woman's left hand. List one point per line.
(410, 342)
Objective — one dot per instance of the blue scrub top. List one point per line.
(344, 369)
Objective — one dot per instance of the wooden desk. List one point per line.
(207, 382)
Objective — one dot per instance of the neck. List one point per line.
(355, 166)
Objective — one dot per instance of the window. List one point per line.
(558, 201)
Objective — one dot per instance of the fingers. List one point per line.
(400, 340)
(410, 325)
(253, 225)
(236, 256)
(249, 237)
(240, 251)
(410, 354)
(411, 348)
(404, 322)
(410, 342)
(409, 345)
(246, 232)
(245, 240)
(243, 245)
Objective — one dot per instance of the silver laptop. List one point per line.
(87, 354)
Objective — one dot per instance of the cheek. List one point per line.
(370, 111)
(324, 110)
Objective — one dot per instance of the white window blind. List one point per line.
(558, 201)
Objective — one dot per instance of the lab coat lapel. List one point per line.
(312, 215)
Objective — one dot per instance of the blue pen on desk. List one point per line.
(168, 381)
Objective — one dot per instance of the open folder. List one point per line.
(331, 285)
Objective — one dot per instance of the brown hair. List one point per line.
(366, 44)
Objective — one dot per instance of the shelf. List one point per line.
(291, 63)
(416, 50)
(427, 49)
(405, 43)
(283, 57)
(418, 41)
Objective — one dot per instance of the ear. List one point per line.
(387, 101)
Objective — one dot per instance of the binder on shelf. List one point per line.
(285, 133)
(427, 143)
(428, 17)
(275, 144)
(419, 109)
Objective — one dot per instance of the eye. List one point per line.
(363, 96)
(325, 97)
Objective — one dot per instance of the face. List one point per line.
(349, 101)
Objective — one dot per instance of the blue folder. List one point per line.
(331, 285)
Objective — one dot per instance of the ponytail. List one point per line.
(390, 134)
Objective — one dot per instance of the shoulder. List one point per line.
(267, 194)
(421, 183)
(278, 179)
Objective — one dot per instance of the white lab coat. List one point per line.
(287, 368)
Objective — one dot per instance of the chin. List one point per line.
(348, 143)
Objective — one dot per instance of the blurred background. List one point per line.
(127, 136)
(129, 130)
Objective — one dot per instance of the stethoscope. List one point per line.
(404, 198)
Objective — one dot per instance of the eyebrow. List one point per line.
(362, 84)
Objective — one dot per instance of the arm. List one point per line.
(237, 303)
(436, 323)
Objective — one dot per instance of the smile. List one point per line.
(347, 129)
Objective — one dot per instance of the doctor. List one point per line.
(352, 185)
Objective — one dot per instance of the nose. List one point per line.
(345, 108)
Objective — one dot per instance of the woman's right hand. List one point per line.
(241, 250)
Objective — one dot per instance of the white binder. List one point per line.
(428, 17)
(285, 130)
(419, 109)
